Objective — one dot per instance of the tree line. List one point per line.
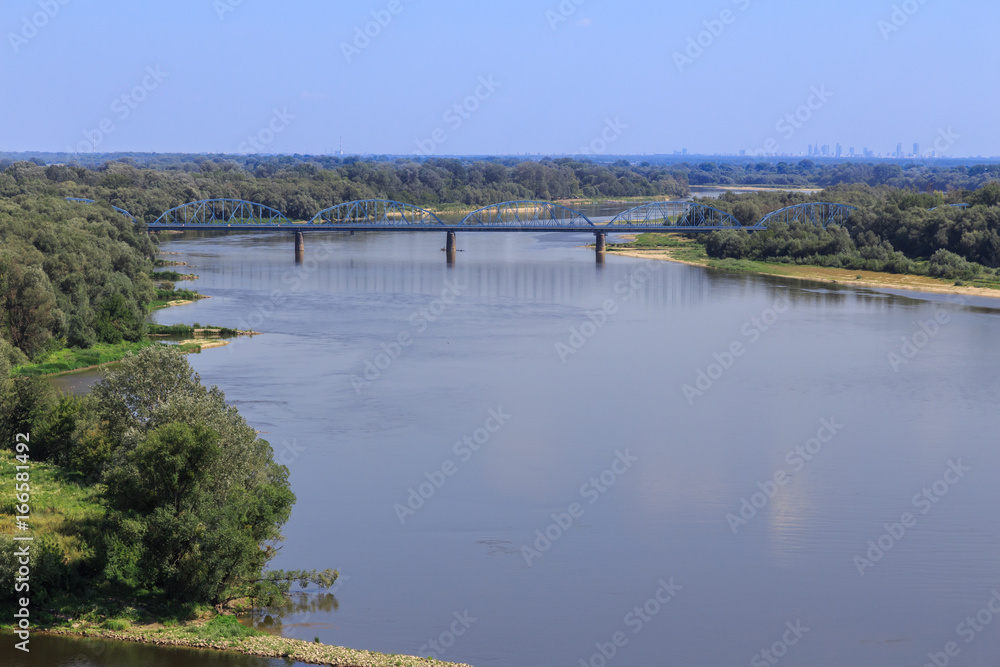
(301, 189)
(893, 230)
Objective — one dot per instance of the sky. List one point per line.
(444, 77)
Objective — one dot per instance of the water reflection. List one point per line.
(302, 606)
(54, 651)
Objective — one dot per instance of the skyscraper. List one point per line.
(916, 150)
(899, 150)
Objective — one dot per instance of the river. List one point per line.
(531, 460)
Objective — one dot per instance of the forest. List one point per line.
(302, 189)
(894, 230)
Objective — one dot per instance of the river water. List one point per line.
(531, 460)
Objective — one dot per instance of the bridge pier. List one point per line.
(602, 246)
(450, 249)
(300, 248)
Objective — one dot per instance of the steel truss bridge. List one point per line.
(380, 215)
(513, 216)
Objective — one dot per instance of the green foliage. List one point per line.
(65, 521)
(74, 359)
(69, 274)
(185, 330)
(222, 627)
(118, 319)
(193, 494)
(944, 264)
(889, 232)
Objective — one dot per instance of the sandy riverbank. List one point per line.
(828, 275)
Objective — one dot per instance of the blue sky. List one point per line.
(529, 76)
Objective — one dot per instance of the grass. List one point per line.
(189, 331)
(72, 359)
(63, 508)
(222, 627)
(654, 240)
(166, 297)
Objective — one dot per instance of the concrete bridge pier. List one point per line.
(450, 249)
(300, 248)
(602, 246)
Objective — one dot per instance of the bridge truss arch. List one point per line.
(675, 214)
(951, 206)
(818, 214)
(527, 214)
(376, 213)
(82, 200)
(222, 212)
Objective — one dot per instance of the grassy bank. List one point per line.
(675, 248)
(70, 360)
(176, 297)
(66, 516)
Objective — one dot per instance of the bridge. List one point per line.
(380, 215)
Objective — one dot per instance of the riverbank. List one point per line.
(259, 645)
(693, 254)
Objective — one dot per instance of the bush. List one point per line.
(945, 264)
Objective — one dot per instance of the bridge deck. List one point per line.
(596, 229)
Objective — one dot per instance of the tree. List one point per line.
(196, 501)
(28, 305)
